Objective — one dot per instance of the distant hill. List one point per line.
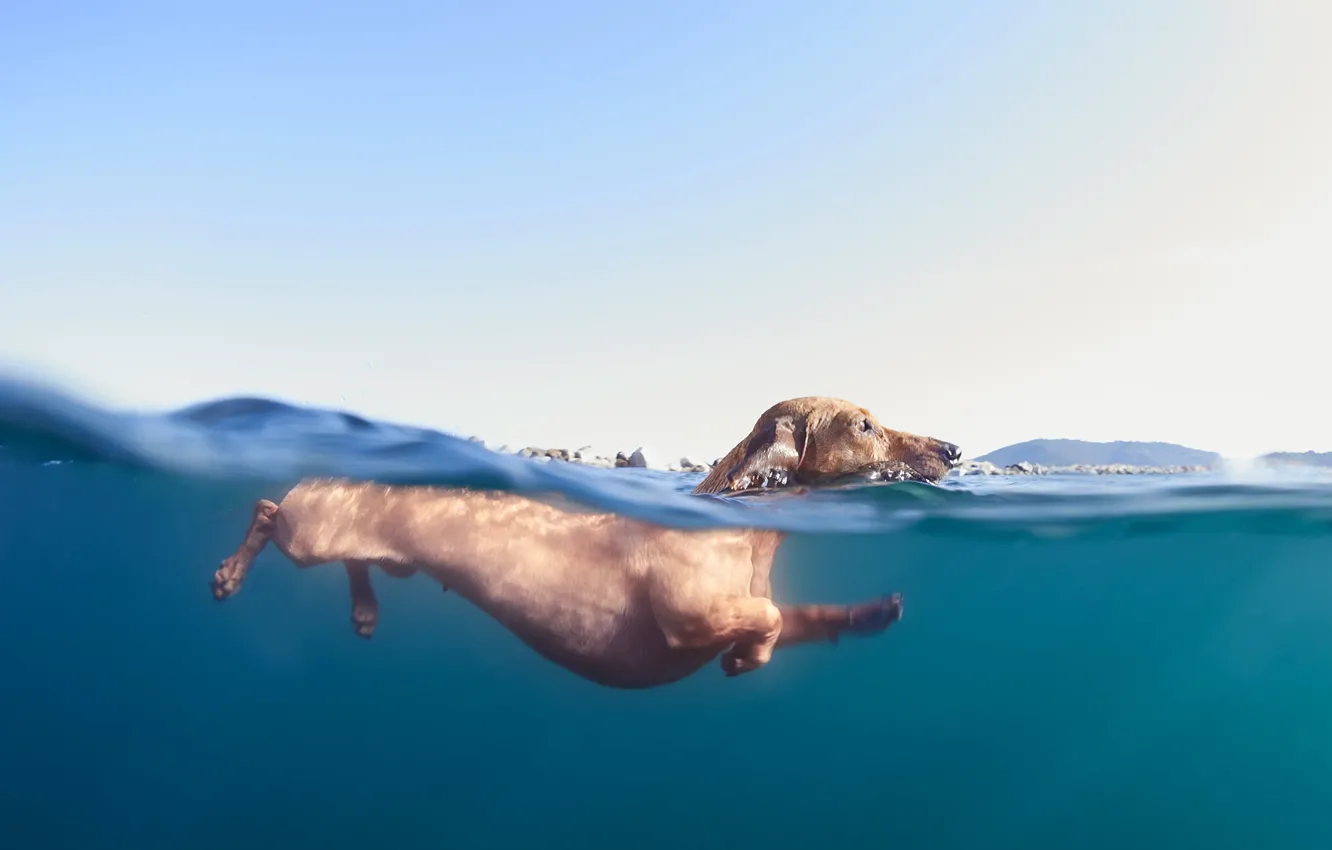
(1299, 458)
(1073, 452)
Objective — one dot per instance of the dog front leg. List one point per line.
(814, 623)
(749, 625)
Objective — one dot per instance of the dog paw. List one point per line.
(364, 619)
(227, 580)
(737, 660)
(733, 664)
(870, 618)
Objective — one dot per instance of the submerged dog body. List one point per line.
(618, 601)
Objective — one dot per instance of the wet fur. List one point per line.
(816, 439)
(617, 601)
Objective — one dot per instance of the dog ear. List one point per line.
(770, 456)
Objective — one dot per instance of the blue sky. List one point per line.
(623, 224)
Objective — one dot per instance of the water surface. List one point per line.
(1084, 662)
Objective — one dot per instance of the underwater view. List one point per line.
(665, 426)
(1083, 661)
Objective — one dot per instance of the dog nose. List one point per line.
(952, 452)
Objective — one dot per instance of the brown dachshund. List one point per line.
(621, 602)
(815, 440)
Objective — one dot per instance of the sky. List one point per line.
(631, 224)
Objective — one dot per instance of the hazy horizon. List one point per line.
(658, 455)
(570, 224)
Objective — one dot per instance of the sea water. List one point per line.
(1083, 662)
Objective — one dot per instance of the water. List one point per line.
(1085, 662)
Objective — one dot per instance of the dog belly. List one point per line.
(618, 649)
(631, 668)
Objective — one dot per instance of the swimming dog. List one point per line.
(621, 602)
(818, 440)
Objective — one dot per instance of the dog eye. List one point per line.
(866, 426)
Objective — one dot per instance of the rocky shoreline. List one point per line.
(981, 467)
(622, 460)
(636, 459)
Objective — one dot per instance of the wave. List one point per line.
(265, 440)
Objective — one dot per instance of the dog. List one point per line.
(818, 440)
(620, 602)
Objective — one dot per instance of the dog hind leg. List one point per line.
(365, 606)
(231, 574)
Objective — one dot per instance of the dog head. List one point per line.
(815, 439)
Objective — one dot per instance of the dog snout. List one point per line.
(951, 453)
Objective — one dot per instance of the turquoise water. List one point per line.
(1084, 662)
